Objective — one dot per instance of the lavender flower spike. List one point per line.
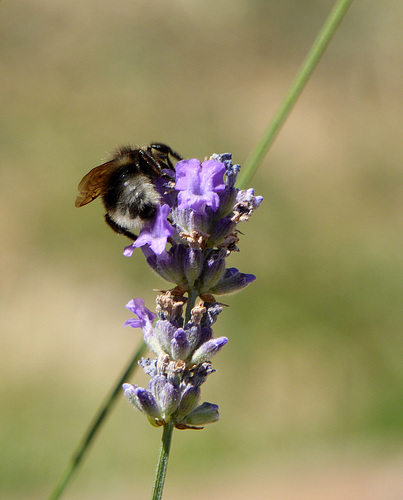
(198, 218)
(193, 233)
(182, 363)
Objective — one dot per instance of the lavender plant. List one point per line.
(198, 220)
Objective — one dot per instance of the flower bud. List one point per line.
(213, 270)
(166, 395)
(207, 413)
(190, 398)
(143, 401)
(180, 347)
(232, 281)
(207, 350)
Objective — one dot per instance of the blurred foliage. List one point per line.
(313, 366)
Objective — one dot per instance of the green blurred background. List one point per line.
(310, 385)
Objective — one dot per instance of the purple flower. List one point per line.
(146, 317)
(155, 233)
(198, 184)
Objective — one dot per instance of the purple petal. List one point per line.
(128, 251)
(154, 234)
(146, 317)
(198, 184)
(187, 175)
(212, 175)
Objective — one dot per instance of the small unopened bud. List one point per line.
(207, 350)
(207, 413)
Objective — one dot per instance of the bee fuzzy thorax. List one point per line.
(131, 201)
(127, 185)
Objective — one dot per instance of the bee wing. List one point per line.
(92, 184)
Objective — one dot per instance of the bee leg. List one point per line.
(119, 229)
(166, 152)
(150, 161)
(160, 158)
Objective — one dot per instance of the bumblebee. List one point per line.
(127, 187)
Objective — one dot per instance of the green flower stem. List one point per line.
(192, 296)
(96, 424)
(311, 61)
(162, 461)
